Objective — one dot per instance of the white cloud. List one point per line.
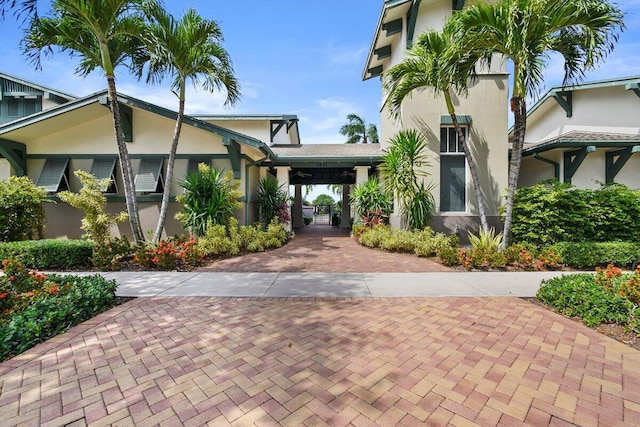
(346, 55)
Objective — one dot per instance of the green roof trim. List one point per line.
(462, 119)
(16, 154)
(569, 141)
(615, 161)
(412, 18)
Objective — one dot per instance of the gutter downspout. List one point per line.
(246, 185)
(556, 165)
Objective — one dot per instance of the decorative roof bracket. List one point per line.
(565, 100)
(573, 160)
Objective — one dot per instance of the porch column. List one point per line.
(345, 221)
(282, 173)
(296, 219)
(362, 176)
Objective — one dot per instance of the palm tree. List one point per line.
(442, 63)
(357, 130)
(21, 8)
(525, 32)
(186, 49)
(103, 35)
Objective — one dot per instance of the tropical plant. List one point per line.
(370, 197)
(357, 130)
(271, 196)
(525, 32)
(103, 34)
(486, 240)
(92, 202)
(403, 170)
(185, 49)
(21, 209)
(324, 200)
(210, 197)
(442, 62)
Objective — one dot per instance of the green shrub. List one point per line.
(49, 253)
(21, 209)
(398, 241)
(552, 212)
(448, 256)
(77, 299)
(108, 256)
(593, 254)
(370, 197)
(579, 295)
(373, 238)
(210, 196)
(231, 240)
(92, 202)
(427, 243)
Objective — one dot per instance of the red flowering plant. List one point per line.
(170, 254)
(19, 286)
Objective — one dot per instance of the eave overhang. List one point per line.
(573, 140)
(390, 25)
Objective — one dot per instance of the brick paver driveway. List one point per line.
(458, 361)
(326, 249)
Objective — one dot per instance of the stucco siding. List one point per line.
(611, 109)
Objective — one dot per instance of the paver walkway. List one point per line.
(325, 249)
(389, 361)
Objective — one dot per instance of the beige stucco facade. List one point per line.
(603, 116)
(485, 105)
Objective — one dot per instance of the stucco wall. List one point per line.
(612, 109)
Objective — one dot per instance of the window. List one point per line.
(192, 166)
(30, 106)
(149, 176)
(54, 176)
(453, 171)
(105, 168)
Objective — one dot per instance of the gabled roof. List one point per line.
(390, 25)
(21, 85)
(630, 83)
(328, 153)
(101, 98)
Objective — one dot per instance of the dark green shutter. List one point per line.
(452, 184)
(54, 176)
(105, 168)
(149, 176)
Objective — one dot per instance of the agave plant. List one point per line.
(487, 241)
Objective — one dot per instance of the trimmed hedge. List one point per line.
(49, 253)
(551, 212)
(50, 315)
(597, 254)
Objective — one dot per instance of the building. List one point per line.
(483, 112)
(586, 134)
(51, 135)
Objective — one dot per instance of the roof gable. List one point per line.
(15, 86)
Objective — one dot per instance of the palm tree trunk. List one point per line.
(125, 163)
(164, 207)
(473, 169)
(519, 108)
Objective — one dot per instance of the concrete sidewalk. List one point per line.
(357, 285)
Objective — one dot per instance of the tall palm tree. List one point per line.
(357, 130)
(525, 32)
(103, 34)
(21, 8)
(443, 63)
(186, 49)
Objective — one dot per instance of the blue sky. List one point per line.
(302, 57)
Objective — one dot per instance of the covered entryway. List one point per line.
(324, 164)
